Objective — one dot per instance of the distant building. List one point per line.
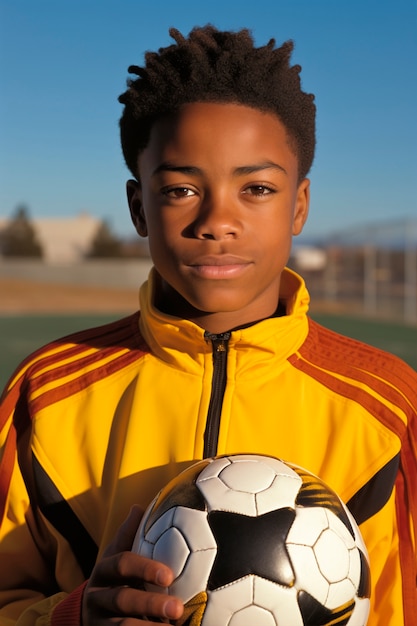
(309, 258)
(64, 239)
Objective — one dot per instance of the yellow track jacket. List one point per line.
(104, 418)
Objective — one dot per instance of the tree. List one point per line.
(105, 244)
(18, 238)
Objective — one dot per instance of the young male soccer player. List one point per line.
(222, 357)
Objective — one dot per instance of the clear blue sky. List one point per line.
(63, 64)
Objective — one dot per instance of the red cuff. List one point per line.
(68, 612)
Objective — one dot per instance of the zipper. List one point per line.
(220, 346)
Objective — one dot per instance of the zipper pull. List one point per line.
(219, 341)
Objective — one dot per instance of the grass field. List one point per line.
(21, 335)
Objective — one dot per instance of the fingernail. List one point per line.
(171, 609)
(162, 578)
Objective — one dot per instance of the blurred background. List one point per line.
(69, 256)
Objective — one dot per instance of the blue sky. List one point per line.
(64, 63)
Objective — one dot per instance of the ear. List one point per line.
(134, 199)
(301, 206)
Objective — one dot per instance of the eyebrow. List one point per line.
(242, 170)
(258, 167)
(166, 166)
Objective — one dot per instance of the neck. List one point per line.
(171, 302)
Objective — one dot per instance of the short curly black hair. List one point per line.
(217, 66)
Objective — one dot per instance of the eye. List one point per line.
(258, 190)
(178, 192)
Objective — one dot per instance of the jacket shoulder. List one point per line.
(115, 344)
(327, 345)
(381, 382)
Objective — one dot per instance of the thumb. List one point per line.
(124, 537)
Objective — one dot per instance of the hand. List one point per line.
(115, 595)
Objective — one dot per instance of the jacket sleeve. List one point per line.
(391, 537)
(32, 583)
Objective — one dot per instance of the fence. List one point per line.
(369, 271)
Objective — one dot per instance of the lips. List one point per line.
(219, 267)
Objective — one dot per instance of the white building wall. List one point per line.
(63, 239)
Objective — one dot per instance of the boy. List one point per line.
(221, 359)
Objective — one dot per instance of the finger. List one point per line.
(126, 533)
(128, 568)
(126, 601)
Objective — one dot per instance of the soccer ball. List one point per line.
(255, 540)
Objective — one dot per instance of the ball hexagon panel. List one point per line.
(324, 556)
(181, 538)
(333, 559)
(252, 601)
(248, 484)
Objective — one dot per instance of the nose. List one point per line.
(218, 219)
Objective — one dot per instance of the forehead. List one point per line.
(220, 133)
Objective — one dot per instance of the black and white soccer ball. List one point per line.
(255, 541)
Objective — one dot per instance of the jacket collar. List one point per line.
(179, 341)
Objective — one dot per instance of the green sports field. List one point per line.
(21, 335)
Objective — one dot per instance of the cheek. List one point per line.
(275, 235)
(162, 243)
